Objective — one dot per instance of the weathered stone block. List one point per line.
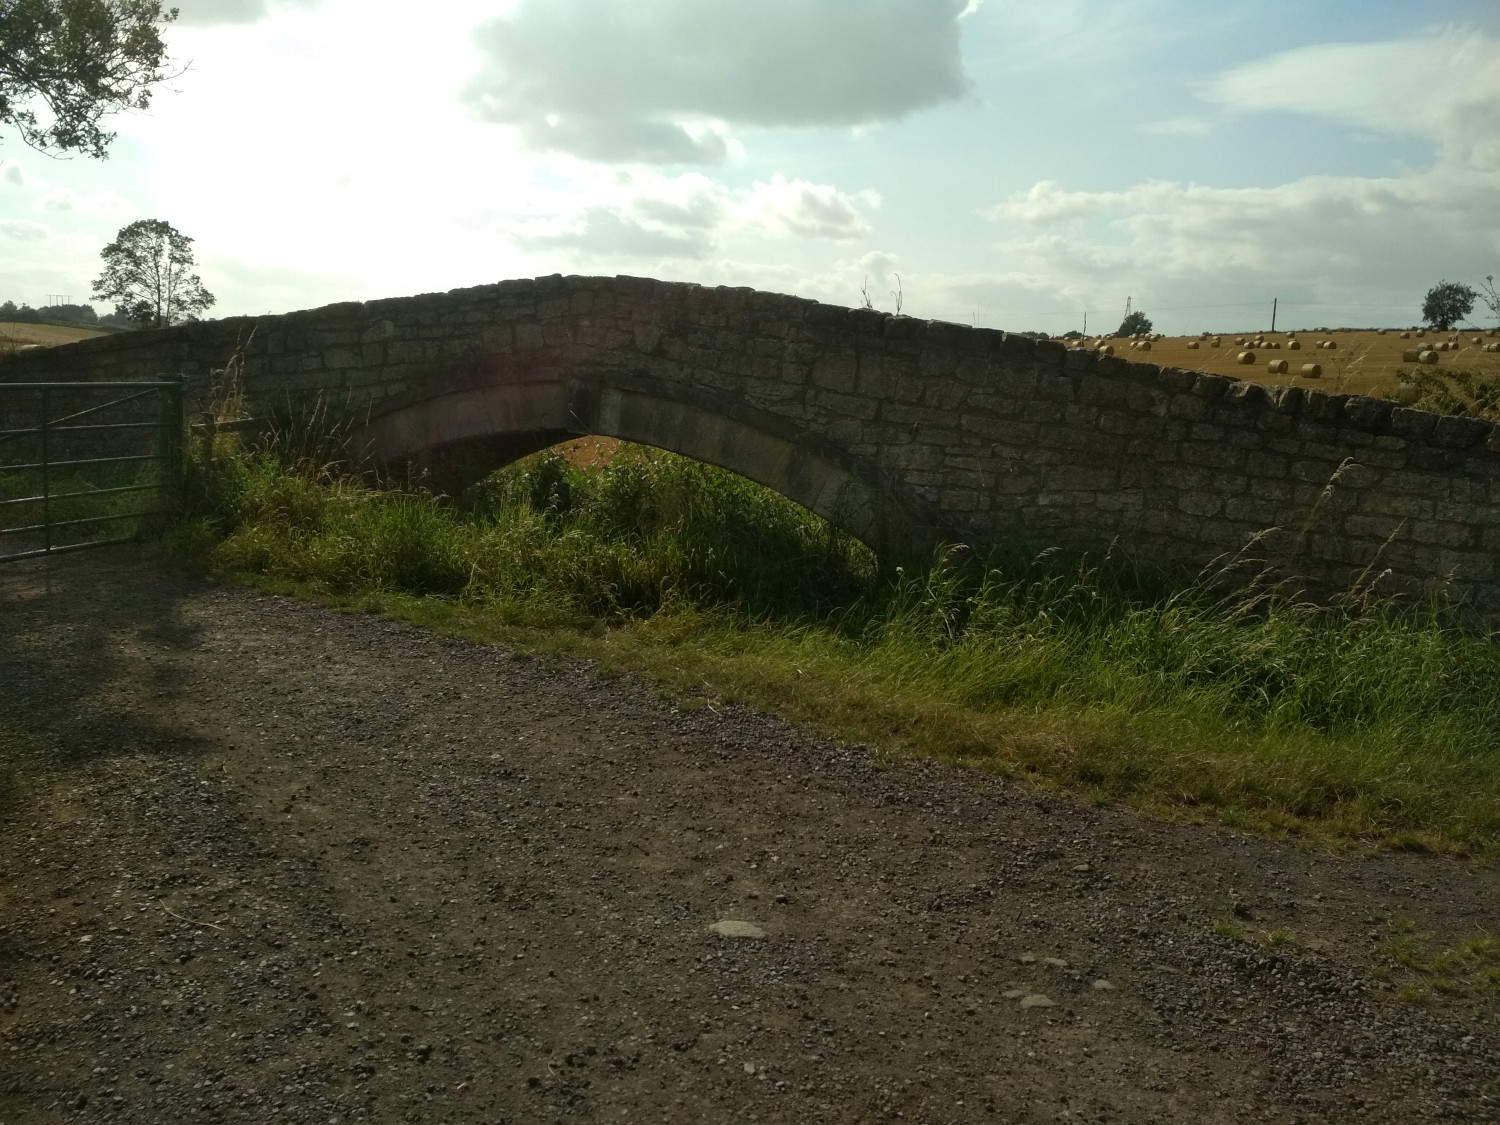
(336, 359)
(861, 407)
(1368, 413)
(1415, 424)
(1212, 455)
(1147, 400)
(1254, 510)
(945, 394)
(1461, 433)
(1096, 391)
(837, 372)
(1189, 407)
(1455, 536)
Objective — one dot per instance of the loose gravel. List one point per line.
(266, 861)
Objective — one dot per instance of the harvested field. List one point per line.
(15, 335)
(1362, 361)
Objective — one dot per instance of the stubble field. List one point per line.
(1360, 362)
(15, 335)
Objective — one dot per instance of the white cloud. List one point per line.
(688, 216)
(1189, 125)
(1443, 85)
(1325, 237)
(21, 231)
(797, 207)
(54, 197)
(1333, 241)
(207, 13)
(1316, 222)
(661, 81)
(88, 203)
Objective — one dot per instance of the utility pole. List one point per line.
(1085, 322)
(1274, 302)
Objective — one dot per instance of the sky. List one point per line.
(1016, 164)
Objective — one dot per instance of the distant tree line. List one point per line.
(63, 314)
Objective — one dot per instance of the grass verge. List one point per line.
(1355, 726)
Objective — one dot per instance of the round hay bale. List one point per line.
(1312, 370)
(1411, 355)
(1477, 340)
(1294, 345)
(1381, 332)
(1246, 357)
(1145, 345)
(1106, 349)
(1445, 346)
(1277, 367)
(1406, 335)
(1492, 347)
(1216, 342)
(1192, 345)
(1428, 357)
(1421, 332)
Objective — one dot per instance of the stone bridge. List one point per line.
(907, 433)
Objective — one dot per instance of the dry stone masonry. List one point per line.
(908, 433)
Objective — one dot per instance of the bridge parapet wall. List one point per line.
(989, 437)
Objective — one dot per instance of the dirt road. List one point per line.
(264, 861)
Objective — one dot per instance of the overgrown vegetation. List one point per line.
(1358, 724)
(1467, 393)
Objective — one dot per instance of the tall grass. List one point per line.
(1354, 723)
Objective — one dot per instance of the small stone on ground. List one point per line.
(733, 929)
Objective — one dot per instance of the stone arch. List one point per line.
(905, 432)
(461, 433)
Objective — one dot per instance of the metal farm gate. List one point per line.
(86, 464)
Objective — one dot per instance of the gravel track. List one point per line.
(265, 861)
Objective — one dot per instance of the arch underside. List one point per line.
(467, 433)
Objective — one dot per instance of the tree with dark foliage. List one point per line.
(1136, 324)
(147, 272)
(1447, 303)
(64, 64)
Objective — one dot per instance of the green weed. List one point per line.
(1473, 963)
(1466, 393)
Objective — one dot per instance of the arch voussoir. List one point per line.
(486, 426)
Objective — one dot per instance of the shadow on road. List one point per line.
(88, 647)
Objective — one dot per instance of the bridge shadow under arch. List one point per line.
(462, 433)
